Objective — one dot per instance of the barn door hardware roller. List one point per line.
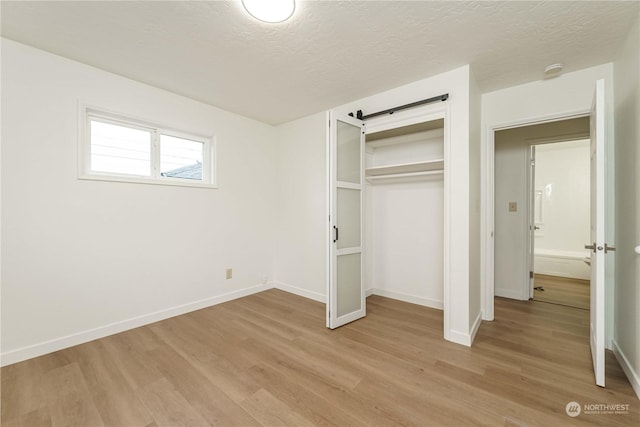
(361, 116)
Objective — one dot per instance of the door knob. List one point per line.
(608, 248)
(592, 247)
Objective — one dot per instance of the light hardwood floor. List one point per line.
(268, 360)
(563, 291)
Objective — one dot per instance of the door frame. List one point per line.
(487, 222)
(531, 218)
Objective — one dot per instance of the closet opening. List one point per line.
(404, 212)
(388, 199)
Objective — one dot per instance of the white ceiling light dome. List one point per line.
(271, 11)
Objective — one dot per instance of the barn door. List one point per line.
(346, 294)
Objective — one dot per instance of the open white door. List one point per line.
(597, 244)
(346, 294)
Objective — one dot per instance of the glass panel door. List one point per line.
(346, 296)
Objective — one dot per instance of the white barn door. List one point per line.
(346, 293)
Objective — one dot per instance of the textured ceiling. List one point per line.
(330, 53)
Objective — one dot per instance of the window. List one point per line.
(120, 149)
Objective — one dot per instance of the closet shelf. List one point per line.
(403, 177)
(432, 166)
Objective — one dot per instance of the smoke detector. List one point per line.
(553, 69)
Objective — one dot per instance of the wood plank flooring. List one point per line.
(563, 291)
(268, 360)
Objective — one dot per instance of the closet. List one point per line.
(388, 207)
(404, 213)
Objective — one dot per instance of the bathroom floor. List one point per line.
(562, 291)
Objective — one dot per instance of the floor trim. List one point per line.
(509, 293)
(316, 296)
(427, 302)
(475, 327)
(632, 375)
(39, 349)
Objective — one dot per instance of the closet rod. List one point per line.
(360, 116)
(404, 175)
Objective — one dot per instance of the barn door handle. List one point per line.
(336, 230)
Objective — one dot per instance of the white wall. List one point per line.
(83, 259)
(405, 224)
(1, 181)
(561, 96)
(626, 343)
(475, 179)
(510, 241)
(407, 238)
(563, 182)
(563, 177)
(301, 192)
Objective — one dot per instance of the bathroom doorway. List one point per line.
(560, 222)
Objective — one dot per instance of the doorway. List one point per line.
(560, 222)
(602, 221)
(515, 196)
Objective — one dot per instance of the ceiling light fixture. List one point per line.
(271, 11)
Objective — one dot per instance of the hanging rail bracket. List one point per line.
(359, 115)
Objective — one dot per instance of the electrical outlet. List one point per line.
(229, 273)
(513, 207)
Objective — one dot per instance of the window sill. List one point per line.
(133, 180)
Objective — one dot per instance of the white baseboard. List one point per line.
(508, 293)
(562, 264)
(35, 350)
(408, 298)
(368, 292)
(475, 327)
(632, 375)
(316, 296)
(464, 338)
(459, 338)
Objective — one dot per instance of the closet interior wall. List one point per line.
(404, 213)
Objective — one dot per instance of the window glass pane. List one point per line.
(348, 218)
(181, 158)
(349, 283)
(120, 149)
(348, 163)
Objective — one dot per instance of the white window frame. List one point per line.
(209, 166)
